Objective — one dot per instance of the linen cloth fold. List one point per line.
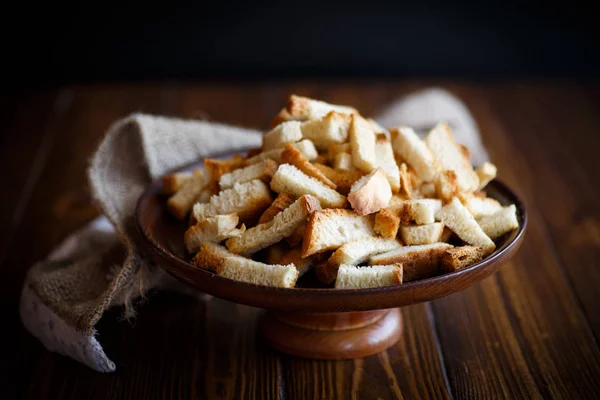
(99, 266)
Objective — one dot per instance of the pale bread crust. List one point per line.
(180, 204)
(362, 144)
(294, 256)
(257, 273)
(263, 171)
(446, 186)
(211, 256)
(351, 277)
(370, 193)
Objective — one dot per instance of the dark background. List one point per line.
(53, 43)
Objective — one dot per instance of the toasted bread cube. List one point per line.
(282, 116)
(331, 228)
(420, 211)
(332, 128)
(292, 156)
(282, 134)
(397, 203)
(296, 238)
(212, 229)
(263, 171)
(456, 217)
(306, 108)
(370, 193)
(343, 161)
(182, 202)
(354, 253)
(211, 256)
(450, 156)
(294, 256)
(289, 179)
(405, 181)
(250, 271)
(351, 277)
(336, 148)
(274, 253)
(414, 151)
(446, 186)
(486, 172)
(306, 147)
(173, 182)
(283, 225)
(282, 202)
(446, 235)
(343, 179)
(461, 257)
(422, 234)
(480, 206)
(248, 200)
(387, 223)
(216, 168)
(384, 156)
(418, 262)
(499, 223)
(362, 144)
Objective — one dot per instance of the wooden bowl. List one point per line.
(311, 321)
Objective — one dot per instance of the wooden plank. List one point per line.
(550, 342)
(410, 369)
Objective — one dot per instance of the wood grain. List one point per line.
(529, 331)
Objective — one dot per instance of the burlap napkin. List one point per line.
(99, 266)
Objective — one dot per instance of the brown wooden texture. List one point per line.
(529, 331)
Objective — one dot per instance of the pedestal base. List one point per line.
(332, 336)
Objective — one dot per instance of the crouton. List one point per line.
(211, 256)
(331, 228)
(332, 128)
(421, 234)
(370, 193)
(450, 157)
(296, 238)
(292, 156)
(486, 172)
(418, 262)
(248, 200)
(182, 202)
(282, 134)
(263, 171)
(428, 190)
(212, 229)
(282, 226)
(499, 223)
(306, 147)
(362, 144)
(354, 253)
(282, 202)
(415, 152)
(351, 277)
(456, 217)
(282, 116)
(405, 181)
(171, 183)
(343, 179)
(377, 128)
(446, 186)
(289, 179)
(480, 206)
(384, 158)
(461, 257)
(343, 161)
(257, 273)
(294, 256)
(306, 108)
(420, 211)
(336, 148)
(386, 223)
(215, 168)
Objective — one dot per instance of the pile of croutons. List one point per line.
(360, 205)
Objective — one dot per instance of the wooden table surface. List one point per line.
(529, 331)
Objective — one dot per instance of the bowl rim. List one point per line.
(187, 272)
